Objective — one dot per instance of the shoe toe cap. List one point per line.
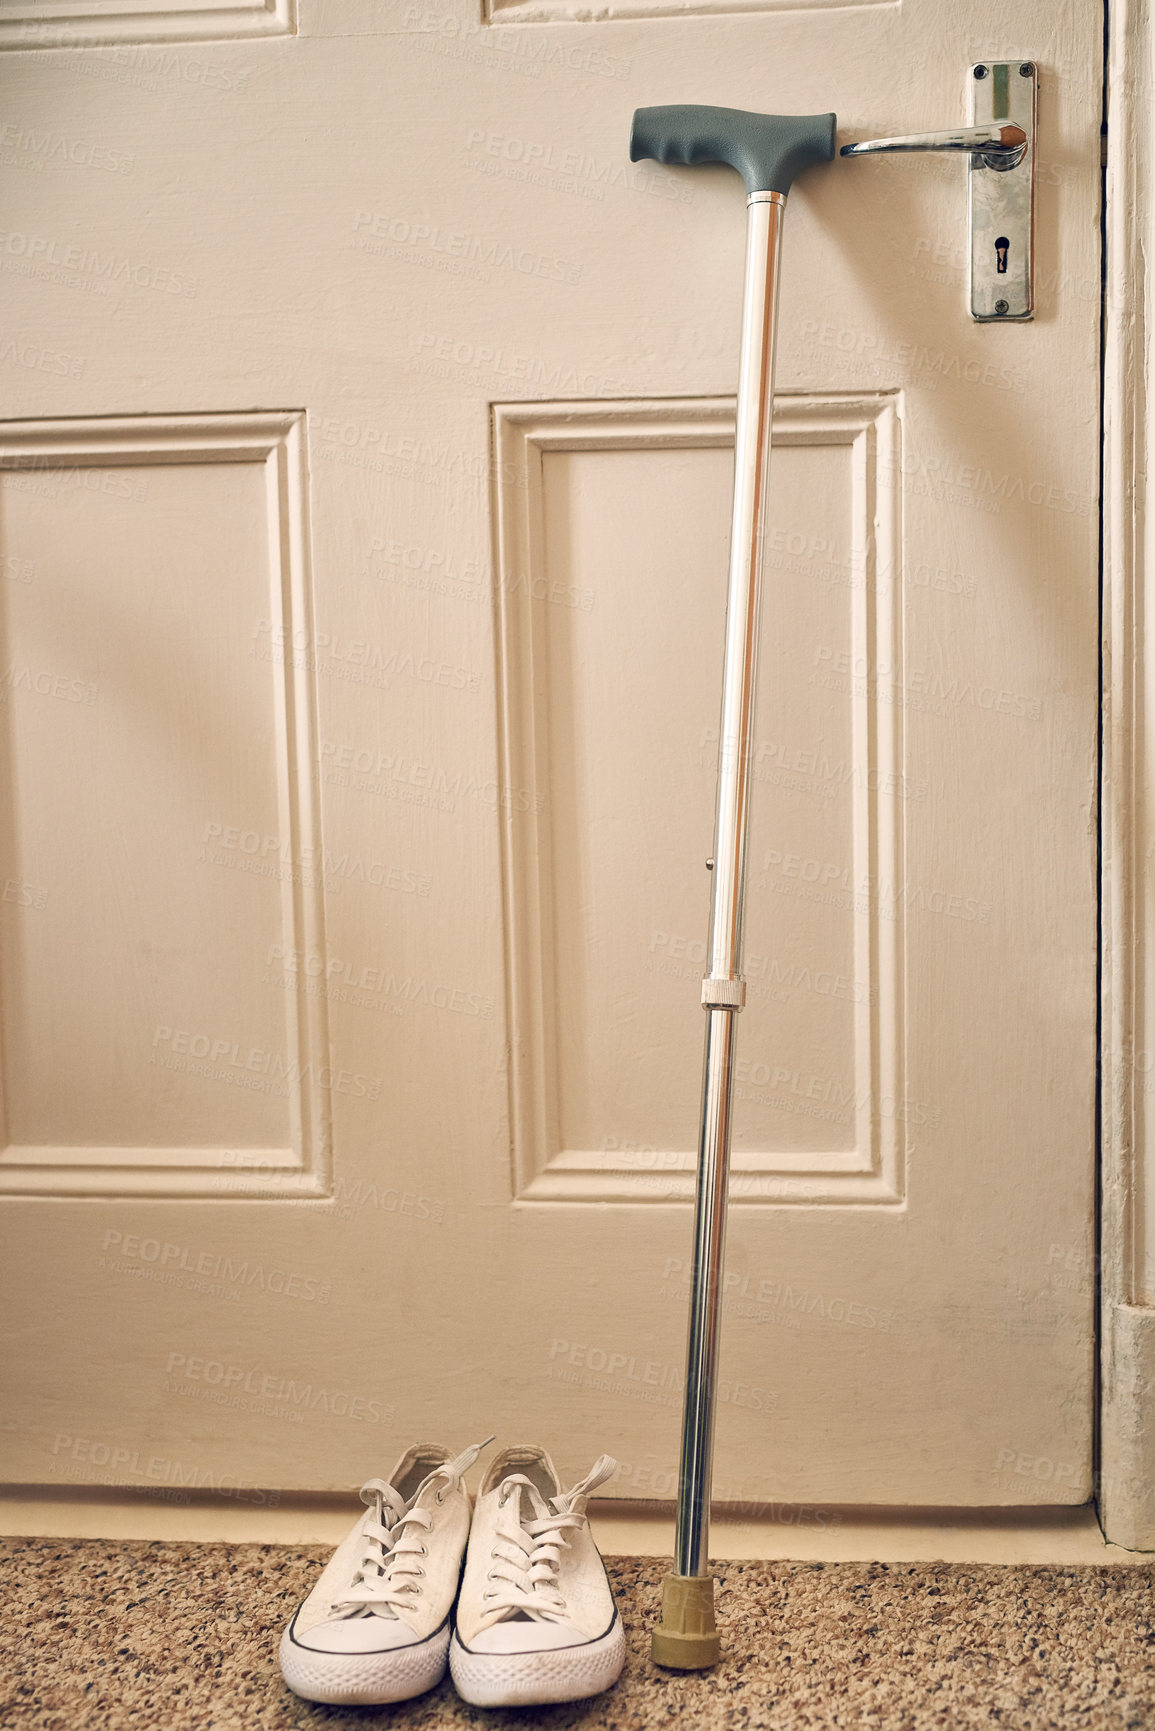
(357, 1635)
(527, 1637)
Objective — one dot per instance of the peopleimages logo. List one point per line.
(139, 63)
(282, 858)
(641, 1379)
(418, 242)
(180, 1265)
(41, 250)
(37, 359)
(346, 980)
(80, 1454)
(767, 1292)
(354, 658)
(239, 1385)
(522, 51)
(232, 1055)
(55, 147)
(460, 357)
(550, 163)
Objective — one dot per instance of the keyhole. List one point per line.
(1002, 247)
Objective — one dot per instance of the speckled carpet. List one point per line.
(183, 1636)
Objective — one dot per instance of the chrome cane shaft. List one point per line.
(769, 151)
(723, 990)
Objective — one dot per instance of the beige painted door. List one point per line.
(363, 495)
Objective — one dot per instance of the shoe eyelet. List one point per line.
(424, 1551)
(440, 1496)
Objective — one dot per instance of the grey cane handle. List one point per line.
(768, 150)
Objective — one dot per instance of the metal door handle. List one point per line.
(1001, 144)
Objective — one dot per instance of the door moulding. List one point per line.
(277, 443)
(1061, 1537)
(868, 427)
(105, 23)
(1126, 1478)
(577, 11)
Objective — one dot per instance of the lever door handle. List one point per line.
(998, 146)
(1001, 144)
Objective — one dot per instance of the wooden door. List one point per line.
(364, 497)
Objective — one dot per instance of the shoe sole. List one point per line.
(364, 1679)
(532, 1679)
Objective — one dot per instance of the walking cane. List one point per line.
(768, 150)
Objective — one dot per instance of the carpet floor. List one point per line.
(136, 1636)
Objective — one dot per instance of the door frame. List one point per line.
(1125, 1470)
(1125, 1479)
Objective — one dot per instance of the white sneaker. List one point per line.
(536, 1619)
(375, 1627)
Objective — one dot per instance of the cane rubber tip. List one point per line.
(686, 1639)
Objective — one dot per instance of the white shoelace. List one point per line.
(385, 1581)
(527, 1552)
